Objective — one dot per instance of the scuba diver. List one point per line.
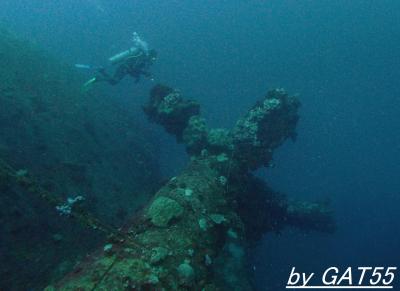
(135, 62)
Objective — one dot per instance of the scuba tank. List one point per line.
(138, 46)
(122, 56)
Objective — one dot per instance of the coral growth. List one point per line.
(192, 236)
(163, 210)
(265, 126)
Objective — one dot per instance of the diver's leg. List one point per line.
(119, 74)
(103, 76)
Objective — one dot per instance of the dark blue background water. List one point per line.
(342, 57)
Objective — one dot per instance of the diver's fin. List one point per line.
(86, 87)
(82, 66)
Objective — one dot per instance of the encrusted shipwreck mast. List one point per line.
(194, 232)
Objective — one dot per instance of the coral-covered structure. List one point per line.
(194, 232)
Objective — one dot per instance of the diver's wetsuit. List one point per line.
(135, 66)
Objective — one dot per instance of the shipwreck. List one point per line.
(195, 231)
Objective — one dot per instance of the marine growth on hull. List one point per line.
(194, 232)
